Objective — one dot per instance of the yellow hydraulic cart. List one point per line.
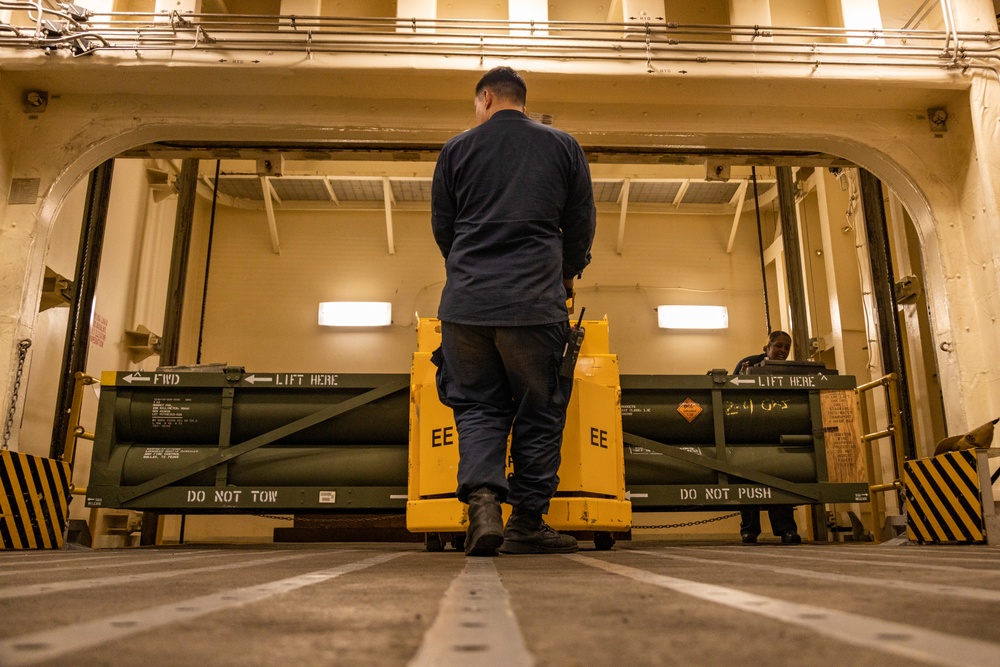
(591, 494)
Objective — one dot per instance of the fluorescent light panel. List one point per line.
(355, 313)
(692, 317)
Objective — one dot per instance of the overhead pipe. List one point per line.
(904, 57)
(948, 11)
(134, 39)
(146, 39)
(294, 24)
(901, 61)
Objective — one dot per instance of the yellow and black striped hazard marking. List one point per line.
(34, 494)
(943, 501)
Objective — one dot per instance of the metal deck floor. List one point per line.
(642, 603)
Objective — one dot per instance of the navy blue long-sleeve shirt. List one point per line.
(752, 360)
(512, 209)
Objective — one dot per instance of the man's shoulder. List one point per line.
(542, 128)
(513, 124)
(464, 135)
(528, 124)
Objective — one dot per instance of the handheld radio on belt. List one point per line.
(572, 349)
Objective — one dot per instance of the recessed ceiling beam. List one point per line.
(623, 202)
(738, 201)
(272, 224)
(387, 196)
(681, 191)
(330, 191)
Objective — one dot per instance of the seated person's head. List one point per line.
(779, 345)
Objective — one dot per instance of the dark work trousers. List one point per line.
(496, 378)
(782, 519)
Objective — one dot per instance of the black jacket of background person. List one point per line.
(752, 360)
(512, 209)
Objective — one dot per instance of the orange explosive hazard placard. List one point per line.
(689, 410)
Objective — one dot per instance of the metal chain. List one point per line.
(22, 353)
(691, 523)
(383, 518)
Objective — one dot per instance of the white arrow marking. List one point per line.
(253, 379)
(135, 377)
(738, 381)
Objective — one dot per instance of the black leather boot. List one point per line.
(528, 534)
(791, 537)
(485, 531)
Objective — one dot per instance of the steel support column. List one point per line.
(760, 247)
(887, 310)
(88, 266)
(793, 263)
(187, 183)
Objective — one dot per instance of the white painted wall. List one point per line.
(262, 306)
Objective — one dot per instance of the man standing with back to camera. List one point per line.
(512, 209)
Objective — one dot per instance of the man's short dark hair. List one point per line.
(505, 83)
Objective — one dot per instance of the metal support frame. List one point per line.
(803, 493)
(187, 183)
(719, 426)
(227, 452)
(152, 491)
(88, 266)
(793, 263)
(760, 247)
(734, 480)
(887, 310)
(166, 491)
